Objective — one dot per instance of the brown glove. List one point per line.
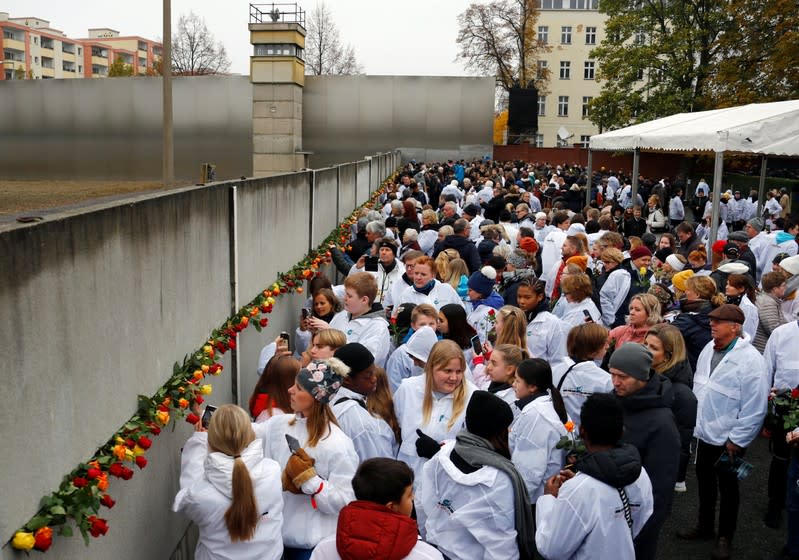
(299, 469)
(288, 486)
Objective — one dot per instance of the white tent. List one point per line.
(758, 128)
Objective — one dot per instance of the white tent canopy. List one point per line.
(767, 129)
(759, 128)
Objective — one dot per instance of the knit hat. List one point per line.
(738, 236)
(487, 415)
(482, 281)
(675, 263)
(420, 343)
(472, 210)
(579, 260)
(518, 259)
(355, 356)
(322, 378)
(661, 254)
(639, 252)
(664, 295)
(678, 280)
(731, 250)
(390, 245)
(735, 267)
(728, 312)
(756, 223)
(528, 244)
(633, 359)
(790, 265)
(718, 246)
(391, 222)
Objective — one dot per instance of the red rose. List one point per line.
(43, 539)
(192, 418)
(199, 400)
(127, 473)
(163, 408)
(107, 501)
(491, 312)
(263, 322)
(141, 462)
(393, 320)
(116, 470)
(795, 393)
(97, 526)
(93, 473)
(231, 344)
(144, 442)
(79, 482)
(155, 430)
(130, 443)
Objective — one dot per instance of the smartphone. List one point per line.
(209, 411)
(285, 336)
(306, 313)
(371, 264)
(588, 318)
(476, 346)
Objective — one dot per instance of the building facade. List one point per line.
(31, 49)
(571, 28)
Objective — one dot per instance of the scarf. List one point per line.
(387, 268)
(427, 288)
(533, 313)
(326, 318)
(478, 451)
(735, 300)
(496, 386)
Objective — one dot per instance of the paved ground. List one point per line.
(753, 541)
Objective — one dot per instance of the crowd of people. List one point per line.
(507, 372)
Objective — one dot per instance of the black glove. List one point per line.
(426, 446)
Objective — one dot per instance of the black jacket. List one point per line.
(465, 247)
(694, 324)
(684, 408)
(617, 467)
(649, 425)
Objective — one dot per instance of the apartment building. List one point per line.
(31, 49)
(571, 28)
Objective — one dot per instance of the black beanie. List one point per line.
(356, 356)
(487, 415)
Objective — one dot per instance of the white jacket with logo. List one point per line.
(371, 436)
(441, 294)
(584, 379)
(731, 401)
(370, 329)
(532, 441)
(206, 492)
(546, 337)
(336, 462)
(468, 516)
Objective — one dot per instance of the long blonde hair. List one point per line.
(230, 432)
(673, 345)
(512, 355)
(442, 352)
(514, 326)
(381, 404)
(456, 268)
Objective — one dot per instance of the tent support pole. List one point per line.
(717, 172)
(636, 163)
(589, 180)
(761, 187)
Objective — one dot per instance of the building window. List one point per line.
(142, 46)
(278, 50)
(543, 34)
(542, 66)
(542, 105)
(584, 140)
(566, 35)
(80, 69)
(35, 40)
(563, 105)
(539, 140)
(565, 69)
(588, 70)
(36, 60)
(590, 35)
(586, 108)
(80, 51)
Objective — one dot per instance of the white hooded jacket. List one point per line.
(731, 400)
(371, 436)
(546, 337)
(370, 329)
(584, 379)
(206, 492)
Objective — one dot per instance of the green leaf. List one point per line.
(38, 522)
(66, 531)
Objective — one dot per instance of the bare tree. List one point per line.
(194, 52)
(500, 38)
(324, 51)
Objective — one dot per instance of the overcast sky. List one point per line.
(408, 37)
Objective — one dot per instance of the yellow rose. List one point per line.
(162, 417)
(642, 270)
(137, 450)
(206, 389)
(208, 348)
(198, 374)
(23, 541)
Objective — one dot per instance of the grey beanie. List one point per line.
(633, 359)
(756, 223)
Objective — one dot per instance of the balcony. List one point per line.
(98, 52)
(68, 48)
(48, 73)
(68, 66)
(47, 62)
(14, 44)
(100, 61)
(13, 54)
(47, 43)
(99, 71)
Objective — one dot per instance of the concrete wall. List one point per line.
(95, 306)
(111, 129)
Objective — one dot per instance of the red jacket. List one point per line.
(368, 530)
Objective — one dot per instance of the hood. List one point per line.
(783, 236)
(680, 373)
(493, 300)
(377, 312)
(456, 242)
(219, 467)
(657, 393)
(616, 467)
(370, 530)
(699, 306)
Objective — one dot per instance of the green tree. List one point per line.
(655, 58)
(119, 69)
(19, 73)
(499, 38)
(758, 55)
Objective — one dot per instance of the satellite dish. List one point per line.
(564, 134)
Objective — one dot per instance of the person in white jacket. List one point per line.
(597, 512)
(542, 423)
(474, 500)
(214, 468)
(365, 321)
(404, 361)
(389, 268)
(426, 288)
(371, 436)
(317, 474)
(731, 390)
(546, 334)
(431, 408)
(550, 249)
(577, 375)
